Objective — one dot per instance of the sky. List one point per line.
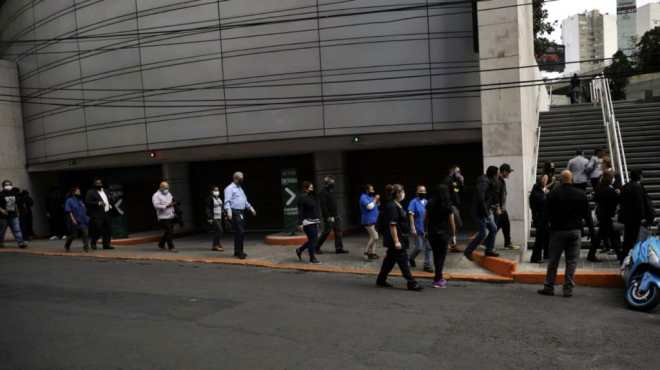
(562, 9)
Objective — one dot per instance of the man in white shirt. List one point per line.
(578, 166)
(236, 206)
(164, 203)
(99, 205)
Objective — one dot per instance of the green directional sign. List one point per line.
(289, 180)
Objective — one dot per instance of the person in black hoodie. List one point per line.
(567, 208)
(538, 203)
(331, 219)
(309, 219)
(607, 201)
(636, 207)
(483, 207)
(10, 204)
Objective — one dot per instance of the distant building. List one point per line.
(588, 36)
(626, 11)
(648, 18)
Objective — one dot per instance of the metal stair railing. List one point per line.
(601, 94)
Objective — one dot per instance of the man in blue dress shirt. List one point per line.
(236, 205)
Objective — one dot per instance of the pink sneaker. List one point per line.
(442, 283)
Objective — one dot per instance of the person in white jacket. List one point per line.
(164, 203)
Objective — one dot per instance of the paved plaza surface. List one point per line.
(81, 313)
(198, 247)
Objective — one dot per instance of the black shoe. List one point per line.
(536, 260)
(68, 249)
(318, 251)
(568, 293)
(384, 284)
(492, 254)
(299, 254)
(594, 259)
(546, 291)
(428, 269)
(93, 246)
(108, 247)
(314, 261)
(23, 246)
(341, 251)
(242, 256)
(415, 287)
(86, 249)
(468, 256)
(161, 247)
(412, 263)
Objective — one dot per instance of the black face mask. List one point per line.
(99, 187)
(371, 193)
(330, 186)
(421, 196)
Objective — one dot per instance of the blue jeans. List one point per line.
(486, 225)
(421, 244)
(312, 232)
(15, 225)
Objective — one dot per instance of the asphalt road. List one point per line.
(70, 313)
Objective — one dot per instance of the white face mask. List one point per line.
(402, 196)
(216, 193)
(8, 187)
(165, 191)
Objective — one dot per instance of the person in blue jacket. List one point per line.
(369, 202)
(77, 219)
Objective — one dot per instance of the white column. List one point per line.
(510, 116)
(178, 176)
(333, 164)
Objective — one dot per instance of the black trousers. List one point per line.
(101, 227)
(168, 233)
(76, 231)
(439, 244)
(327, 228)
(312, 232)
(542, 242)
(395, 257)
(504, 224)
(630, 236)
(238, 227)
(607, 234)
(217, 232)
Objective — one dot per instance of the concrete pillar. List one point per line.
(510, 115)
(178, 176)
(333, 164)
(12, 141)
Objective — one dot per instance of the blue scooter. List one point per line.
(641, 273)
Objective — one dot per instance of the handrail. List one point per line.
(601, 94)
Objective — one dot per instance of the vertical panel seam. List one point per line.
(222, 74)
(318, 33)
(139, 48)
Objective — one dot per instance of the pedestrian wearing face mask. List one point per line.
(214, 215)
(309, 219)
(455, 182)
(164, 203)
(369, 202)
(395, 238)
(236, 207)
(77, 218)
(332, 221)
(10, 203)
(417, 214)
(99, 204)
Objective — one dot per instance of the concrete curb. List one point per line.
(499, 266)
(288, 240)
(257, 263)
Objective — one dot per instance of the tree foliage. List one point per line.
(542, 27)
(648, 55)
(619, 73)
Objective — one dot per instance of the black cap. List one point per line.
(506, 168)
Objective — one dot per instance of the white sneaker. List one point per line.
(53, 238)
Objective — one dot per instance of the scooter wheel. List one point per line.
(641, 301)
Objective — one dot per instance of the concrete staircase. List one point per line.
(565, 129)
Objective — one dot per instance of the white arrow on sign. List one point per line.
(292, 195)
(117, 207)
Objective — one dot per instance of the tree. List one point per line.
(648, 56)
(619, 73)
(541, 27)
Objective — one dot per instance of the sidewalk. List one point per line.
(197, 249)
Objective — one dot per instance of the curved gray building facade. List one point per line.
(121, 76)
